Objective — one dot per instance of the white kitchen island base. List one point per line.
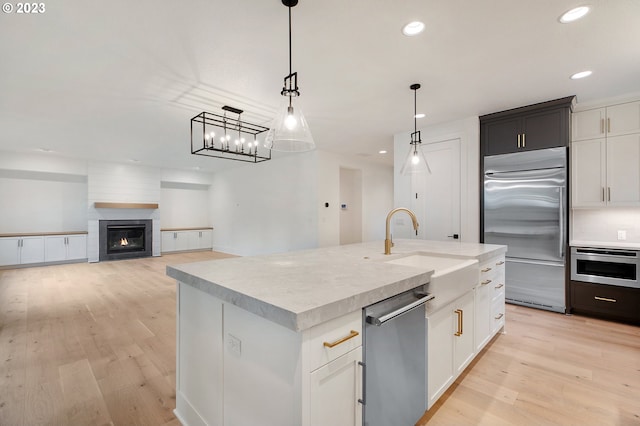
(236, 368)
(277, 340)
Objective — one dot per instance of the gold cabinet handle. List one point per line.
(500, 263)
(485, 282)
(499, 316)
(486, 270)
(499, 286)
(603, 194)
(608, 193)
(518, 140)
(524, 140)
(608, 125)
(460, 321)
(605, 299)
(351, 335)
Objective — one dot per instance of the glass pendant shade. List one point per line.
(290, 130)
(415, 162)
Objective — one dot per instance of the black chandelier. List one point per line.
(219, 136)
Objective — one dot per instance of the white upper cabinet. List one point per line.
(615, 120)
(605, 156)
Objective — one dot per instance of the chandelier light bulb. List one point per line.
(207, 136)
(415, 159)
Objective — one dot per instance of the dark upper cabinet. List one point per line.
(543, 125)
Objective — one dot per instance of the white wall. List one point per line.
(602, 225)
(185, 199)
(377, 196)
(29, 198)
(266, 207)
(42, 193)
(185, 205)
(468, 131)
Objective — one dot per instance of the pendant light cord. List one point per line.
(415, 110)
(290, 67)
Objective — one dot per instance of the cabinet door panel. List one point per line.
(76, 247)
(464, 343)
(334, 392)
(588, 176)
(168, 242)
(623, 170)
(55, 249)
(544, 130)
(9, 251)
(483, 314)
(440, 329)
(623, 119)
(588, 124)
(206, 239)
(501, 137)
(32, 250)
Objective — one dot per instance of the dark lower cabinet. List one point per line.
(543, 125)
(605, 301)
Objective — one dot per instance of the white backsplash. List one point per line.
(602, 225)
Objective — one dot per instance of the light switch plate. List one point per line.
(622, 235)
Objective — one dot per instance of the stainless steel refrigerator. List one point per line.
(525, 208)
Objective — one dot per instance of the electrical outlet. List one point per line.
(622, 235)
(234, 345)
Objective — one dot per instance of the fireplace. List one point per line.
(125, 239)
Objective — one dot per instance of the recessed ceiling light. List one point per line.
(44, 150)
(574, 14)
(413, 28)
(382, 151)
(134, 160)
(581, 74)
(421, 115)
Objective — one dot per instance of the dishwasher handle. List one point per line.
(402, 310)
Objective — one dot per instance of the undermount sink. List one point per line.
(451, 278)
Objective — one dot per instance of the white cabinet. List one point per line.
(200, 240)
(186, 239)
(606, 172)
(450, 348)
(605, 156)
(229, 359)
(59, 248)
(334, 391)
(489, 294)
(614, 120)
(21, 250)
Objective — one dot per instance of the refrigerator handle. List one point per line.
(561, 222)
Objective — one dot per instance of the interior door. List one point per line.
(435, 197)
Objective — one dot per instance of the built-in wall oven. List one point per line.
(605, 266)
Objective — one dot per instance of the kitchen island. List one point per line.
(277, 339)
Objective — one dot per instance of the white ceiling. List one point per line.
(118, 80)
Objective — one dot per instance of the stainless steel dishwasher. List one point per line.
(395, 348)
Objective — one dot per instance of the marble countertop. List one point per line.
(301, 289)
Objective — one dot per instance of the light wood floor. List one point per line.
(94, 344)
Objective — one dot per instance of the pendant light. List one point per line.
(415, 161)
(290, 130)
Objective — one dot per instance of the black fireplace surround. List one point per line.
(125, 239)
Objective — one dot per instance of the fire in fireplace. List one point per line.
(124, 239)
